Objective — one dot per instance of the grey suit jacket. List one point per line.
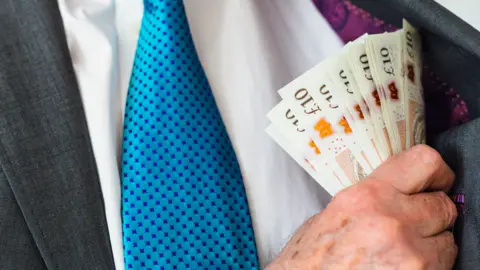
(460, 149)
(51, 206)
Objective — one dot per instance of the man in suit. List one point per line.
(51, 209)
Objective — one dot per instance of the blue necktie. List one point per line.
(184, 203)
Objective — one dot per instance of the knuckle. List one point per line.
(417, 262)
(454, 250)
(341, 195)
(370, 191)
(364, 197)
(447, 250)
(449, 239)
(313, 221)
(359, 196)
(391, 229)
(426, 155)
(448, 209)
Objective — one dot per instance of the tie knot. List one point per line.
(166, 26)
(170, 7)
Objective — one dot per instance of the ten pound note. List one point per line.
(385, 56)
(414, 104)
(289, 131)
(314, 99)
(344, 117)
(362, 72)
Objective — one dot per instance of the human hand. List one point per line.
(387, 221)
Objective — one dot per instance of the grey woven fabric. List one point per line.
(460, 149)
(51, 206)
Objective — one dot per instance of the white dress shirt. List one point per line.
(249, 49)
(102, 37)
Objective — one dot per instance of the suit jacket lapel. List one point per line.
(44, 145)
(459, 148)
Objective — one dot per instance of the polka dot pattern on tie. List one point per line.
(184, 203)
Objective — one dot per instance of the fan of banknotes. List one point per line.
(345, 116)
